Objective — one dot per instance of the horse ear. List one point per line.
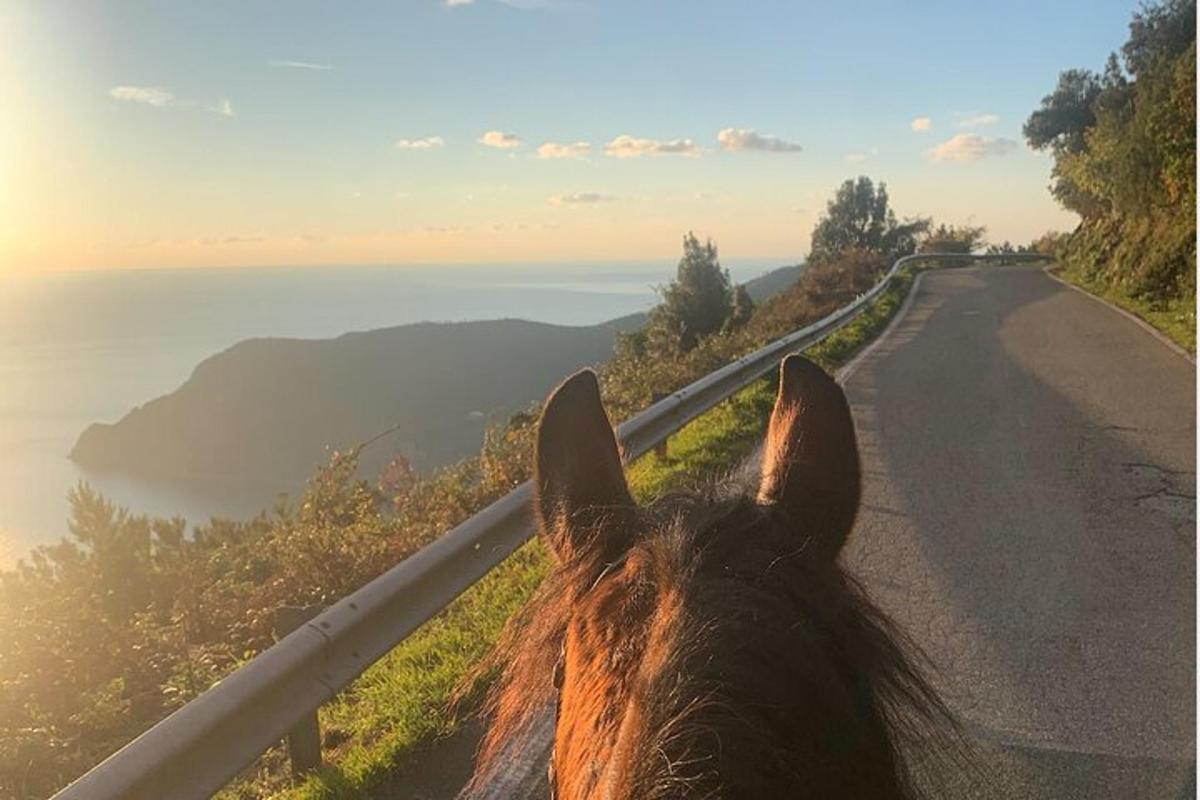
(810, 459)
(581, 497)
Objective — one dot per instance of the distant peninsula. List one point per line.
(269, 410)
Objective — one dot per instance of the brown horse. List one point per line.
(708, 645)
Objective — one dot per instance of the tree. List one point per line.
(1159, 33)
(1065, 114)
(859, 217)
(1049, 243)
(696, 304)
(742, 310)
(952, 239)
(1124, 148)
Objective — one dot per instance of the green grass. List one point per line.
(399, 707)
(1175, 319)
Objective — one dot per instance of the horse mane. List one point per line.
(750, 624)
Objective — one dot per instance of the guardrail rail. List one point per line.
(198, 749)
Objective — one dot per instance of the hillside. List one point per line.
(266, 411)
(1123, 143)
(269, 407)
(772, 283)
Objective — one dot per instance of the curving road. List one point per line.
(1029, 518)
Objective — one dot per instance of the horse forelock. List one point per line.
(720, 657)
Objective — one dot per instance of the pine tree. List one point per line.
(697, 303)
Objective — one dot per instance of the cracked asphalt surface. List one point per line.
(1029, 519)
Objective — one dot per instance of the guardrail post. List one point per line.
(660, 449)
(304, 740)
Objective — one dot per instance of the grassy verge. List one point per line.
(398, 708)
(1175, 319)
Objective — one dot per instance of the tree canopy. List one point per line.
(1124, 149)
(952, 239)
(860, 217)
(698, 303)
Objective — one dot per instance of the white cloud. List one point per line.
(161, 98)
(921, 124)
(626, 146)
(428, 143)
(453, 3)
(978, 120)
(744, 139)
(557, 150)
(150, 95)
(500, 139)
(971, 147)
(580, 199)
(289, 64)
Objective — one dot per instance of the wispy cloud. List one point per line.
(161, 98)
(978, 120)
(557, 150)
(921, 124)
(626, 146)
(500, 140)
(858, 158)
(580, 199)
(745, 139)
(971, 147)
(211, 241)
(289, 64)
(150, 95)
(453, 3)
(428, 143)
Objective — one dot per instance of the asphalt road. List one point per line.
(1029, 518)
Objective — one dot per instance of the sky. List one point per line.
(239, 132)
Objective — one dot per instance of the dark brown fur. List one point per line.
(711, 645)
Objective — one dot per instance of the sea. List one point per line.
(78, 347)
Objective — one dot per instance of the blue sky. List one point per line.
(224, 133)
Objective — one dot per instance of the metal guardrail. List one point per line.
(202, 746)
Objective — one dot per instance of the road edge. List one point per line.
(1134, 318)
(847, 370)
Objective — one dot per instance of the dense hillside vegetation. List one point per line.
(1124, 148)
(131, 617)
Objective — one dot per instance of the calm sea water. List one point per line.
(77, 348)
